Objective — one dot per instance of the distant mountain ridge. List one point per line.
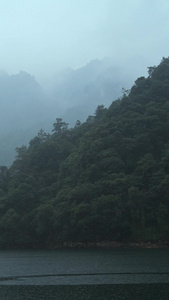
(23, 110)
(22, 101)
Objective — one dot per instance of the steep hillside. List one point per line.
(106, 179)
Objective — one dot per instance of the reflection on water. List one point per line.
(85, 274)
(86, 292)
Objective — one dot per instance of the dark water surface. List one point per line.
(85, 274)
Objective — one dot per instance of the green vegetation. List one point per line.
(105, 179)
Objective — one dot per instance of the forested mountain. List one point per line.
(105, 179)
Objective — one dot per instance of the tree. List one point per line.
(59, 126)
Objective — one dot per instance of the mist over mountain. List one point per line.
(80, 91)
(27, 106)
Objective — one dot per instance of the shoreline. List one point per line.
(113, 245)
(95, 245)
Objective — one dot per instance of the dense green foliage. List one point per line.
(105, 179)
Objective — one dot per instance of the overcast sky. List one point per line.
(44, 36)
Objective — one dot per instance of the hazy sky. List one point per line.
(44, 36)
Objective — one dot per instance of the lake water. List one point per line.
(85, 274)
